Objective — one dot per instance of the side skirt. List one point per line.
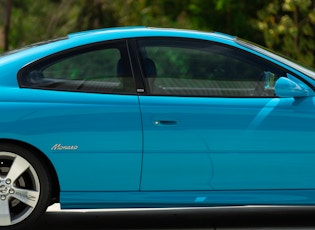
(94, 200)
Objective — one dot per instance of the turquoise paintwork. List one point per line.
(162, 199)
(228, 144)
(97, 124)
(289, 88)
(164, 151)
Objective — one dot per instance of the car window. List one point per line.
(103, 69)
(189, 67)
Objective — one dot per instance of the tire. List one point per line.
(25, 188)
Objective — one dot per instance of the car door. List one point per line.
(212, 122)
(87, 116)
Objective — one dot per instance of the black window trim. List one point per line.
(136, 66)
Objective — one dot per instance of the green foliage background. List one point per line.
(286, 26)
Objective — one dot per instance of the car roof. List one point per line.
(31, 53)
(142, 31)
(99, 35)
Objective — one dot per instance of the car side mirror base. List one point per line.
(285, 87)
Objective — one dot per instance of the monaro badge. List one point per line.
(59, 147)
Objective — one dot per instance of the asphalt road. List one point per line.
(262, 218)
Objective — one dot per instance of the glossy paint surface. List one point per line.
(95, 125)
(186, 198)
(142, 150)
(228, 144)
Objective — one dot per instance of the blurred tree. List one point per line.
(6, 6)
(227, 16)
(288, 26)
(95, 14)
(36, 20)
(233, 17)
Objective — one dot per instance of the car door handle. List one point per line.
(165, 121)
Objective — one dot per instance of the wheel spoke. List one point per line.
(18, 168)
(28, 197)
(5, 217)
(22, 193)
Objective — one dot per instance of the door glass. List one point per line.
(177, 67)
(103, 69)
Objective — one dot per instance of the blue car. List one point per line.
(149, 117)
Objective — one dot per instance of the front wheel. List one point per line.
(24, 188)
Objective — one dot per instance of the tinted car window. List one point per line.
(185, 67)
(104, 69)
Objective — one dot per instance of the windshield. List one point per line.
(308, 71)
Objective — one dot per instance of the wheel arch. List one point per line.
(43, 158)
